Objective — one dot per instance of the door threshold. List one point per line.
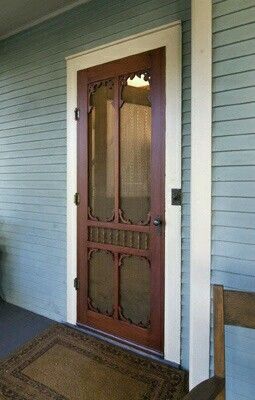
(124, 344)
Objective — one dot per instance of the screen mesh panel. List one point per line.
(101, 267)
(135, 290)
(101, 153)
(135, 150)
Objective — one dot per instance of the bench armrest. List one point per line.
(207, 390)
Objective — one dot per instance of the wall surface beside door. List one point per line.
(233, 202)
(33, 145)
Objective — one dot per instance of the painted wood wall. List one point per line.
(233, 202)
(33, 145)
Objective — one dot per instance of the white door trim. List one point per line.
(200, 235)
(170, 37)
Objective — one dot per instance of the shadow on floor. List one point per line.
(18, 326)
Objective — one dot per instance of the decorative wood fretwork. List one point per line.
(117, 237)
(145, 75)
(140, 324)
(92, 307)
(128, 221)
(93, 218)
(92, 87)
(123, 219)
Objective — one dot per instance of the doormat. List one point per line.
(64, 364)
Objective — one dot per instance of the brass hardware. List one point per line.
(157, 223)
(77, 199)
(76, 284)
(76, 114)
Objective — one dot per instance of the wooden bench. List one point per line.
(230, 308)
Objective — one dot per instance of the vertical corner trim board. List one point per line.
(200, 229)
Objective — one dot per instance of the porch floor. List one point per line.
(18, 326)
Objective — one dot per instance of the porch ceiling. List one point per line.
(17, 15)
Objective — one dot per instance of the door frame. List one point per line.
(168, 36)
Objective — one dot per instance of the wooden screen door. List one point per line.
(121, 131)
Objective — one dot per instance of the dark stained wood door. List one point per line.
(121, 154)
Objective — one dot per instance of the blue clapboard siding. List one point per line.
(186, 98)
(233, 201)
(33, 145)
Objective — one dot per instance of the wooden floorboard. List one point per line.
(18, 326)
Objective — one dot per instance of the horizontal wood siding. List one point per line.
(33, 144)
(233, 201)
(186, 127)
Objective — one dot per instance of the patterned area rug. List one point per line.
(64, 364)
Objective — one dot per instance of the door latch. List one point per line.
(176, 197)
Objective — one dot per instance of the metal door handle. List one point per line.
(157, 222)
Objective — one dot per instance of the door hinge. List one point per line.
(76, 283)
(77, 199)
(76, 114)
(176, 197)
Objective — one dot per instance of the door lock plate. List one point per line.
(176, 197)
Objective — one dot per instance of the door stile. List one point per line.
(157, 194)
(117, 151)
(116, 275)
